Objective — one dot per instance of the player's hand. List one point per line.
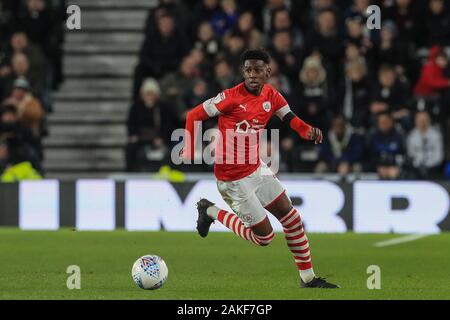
(315, 134)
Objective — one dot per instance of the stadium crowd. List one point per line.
(382, 97)
(31, 35)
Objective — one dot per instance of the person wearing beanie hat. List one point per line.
(150, 124)
(29, 109)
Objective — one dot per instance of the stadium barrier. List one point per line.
(150, 205)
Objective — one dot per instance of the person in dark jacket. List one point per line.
(313, 98)
(388, 50)
(150, 124)
(391, 94)
(326, 40)
(42, 24)
(18, 139)
(161, 52)
(355, 94)
(437, 24)
(343, 149)
(386, 148)
(285, 54)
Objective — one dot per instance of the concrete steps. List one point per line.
(90, 42)
(100, 65)
(87, 131)
(110, 19)
(116, 4)
(90, 106)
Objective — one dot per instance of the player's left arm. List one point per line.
(304, 130)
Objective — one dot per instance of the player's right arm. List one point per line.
(210, 108)
(304, 130)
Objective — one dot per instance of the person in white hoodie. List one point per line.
(425, 146)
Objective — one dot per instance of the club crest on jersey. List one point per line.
(266, 106)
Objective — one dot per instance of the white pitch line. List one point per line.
(403, 239)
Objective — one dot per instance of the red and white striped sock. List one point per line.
(298, 244)
(235, 224)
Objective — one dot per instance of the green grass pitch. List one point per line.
(33, 266)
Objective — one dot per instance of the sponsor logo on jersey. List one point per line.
(243, 126)
(243, 106)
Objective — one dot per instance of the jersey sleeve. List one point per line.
(281, 107)
(219, 104)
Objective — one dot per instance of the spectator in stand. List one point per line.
(7, 17)
(225, 19)
(358, 7)
(268, 11)
(20, 68)
(355, 94)
(386, 148)
(207, 42)
(175, 8)
(352, 52)
(175, 84)
(432, 81)
(224, 77)
(204, 11)
(18, 138)
(284, 83)
(403, 15)
(356, 34)
(325, 40)
(425, 147)
(313, 98)
(281, 21)
(161, 52)
(38, 66)
(150, 125)
(342, 151)
(285, 54)
(40, 22)
(197, 94)
(246, 28)
(387, 49)
(437, 24)
(391, 94)
(234, 46)
(319, 6)
(29, 110)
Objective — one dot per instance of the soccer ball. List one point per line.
(149, 272)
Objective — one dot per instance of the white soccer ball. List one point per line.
(149, 272)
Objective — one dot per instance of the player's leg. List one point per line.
(260, 233)
(250, 221)
(273, 197)
(294, 233)
(297, 241)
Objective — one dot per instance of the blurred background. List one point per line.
(103, 101)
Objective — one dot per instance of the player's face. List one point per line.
(255, 73)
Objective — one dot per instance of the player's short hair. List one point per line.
(255, 54)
